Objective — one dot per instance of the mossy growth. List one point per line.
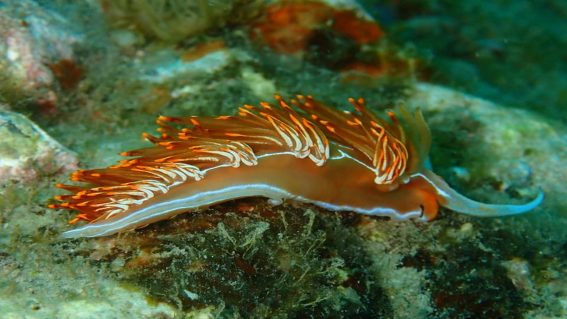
(252, 260)
(467, 278)
(474, 284)
(174, 20)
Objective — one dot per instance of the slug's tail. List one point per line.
(451, 199)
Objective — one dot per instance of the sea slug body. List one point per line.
(303, 151)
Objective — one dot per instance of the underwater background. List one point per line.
(81, 80)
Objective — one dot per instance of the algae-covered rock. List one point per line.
(27, 152)
(176, 20)
(505, 150)
(249, 258)
(34, 41)
(36, 290)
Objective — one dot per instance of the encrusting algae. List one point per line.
(308, 152)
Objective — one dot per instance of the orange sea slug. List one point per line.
(311, 153)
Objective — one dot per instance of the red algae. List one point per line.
(68, 73)
(349, 24)
(288, 27)
(345, 40)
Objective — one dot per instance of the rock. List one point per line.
(168, 65)
(173, 22)
(27, 152)
(502, 148)
(518, 271)
(29, 45)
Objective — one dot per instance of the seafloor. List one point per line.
(80, 82)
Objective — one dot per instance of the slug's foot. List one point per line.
(275, 201)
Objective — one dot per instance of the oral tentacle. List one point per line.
(451, 199)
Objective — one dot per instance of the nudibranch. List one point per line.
(303, 151)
